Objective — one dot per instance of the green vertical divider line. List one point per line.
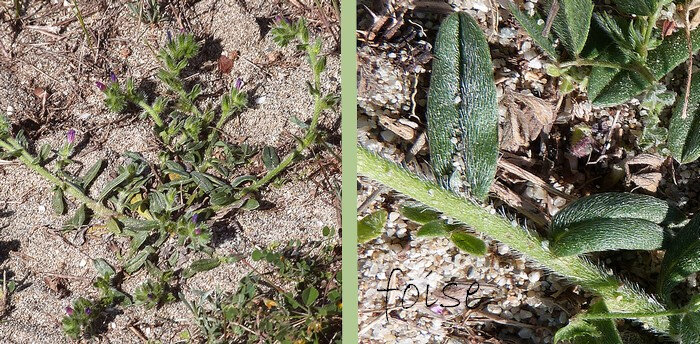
(348, 52)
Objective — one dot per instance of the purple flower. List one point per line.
(101, 86)
(112, 77)
(69, 311)
(170, 36)
(194, 218)
(197, 231)
(150, 296)
(70, 136)
(88, 311)
(238, 84)
(279, 20)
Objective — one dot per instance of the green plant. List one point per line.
(85, 317)
(619, 296)
(609, 52)
(148, 11)
(261, 310)
(194, 179)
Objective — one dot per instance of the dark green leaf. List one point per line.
(309, 296)
(572, 23)
(371, 226)
(638, 7)
(625, 84)
(202, 181)
(684, 133)
(614, 205)
(682, 258)
(468, 243)
(607, 234)
(92, 174)
(138, 260)
(462, 102)
(270, 157)
(251, 204)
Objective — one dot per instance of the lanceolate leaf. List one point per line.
(572, 23)
(92, 173)
(613, 205)
(682, 258)
(638, 7)
(612, 221)
(684, 133)
(462, 105)
(534, 30)
(607, 234)
(626, 84)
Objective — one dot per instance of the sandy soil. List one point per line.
(33, 58)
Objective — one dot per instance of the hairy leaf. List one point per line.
(92, 174)
(572, 24)
(463, 106)
(684, 133)
(682, 258)
(614, 205)
(638, 7)
(625, 84)
(607, 234)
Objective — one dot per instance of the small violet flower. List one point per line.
(112, 77)
(69, 311)
(194, 218)
(197, 231)
(101, 86)
(170, 37)
(70, 136)
(279, 20)
(238, 84)
(88, 311)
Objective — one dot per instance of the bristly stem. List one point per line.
(618, 295)
(311, 133)
(11, 145)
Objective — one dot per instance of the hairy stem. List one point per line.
(11, 145)
(308, 139)
(618, 295)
